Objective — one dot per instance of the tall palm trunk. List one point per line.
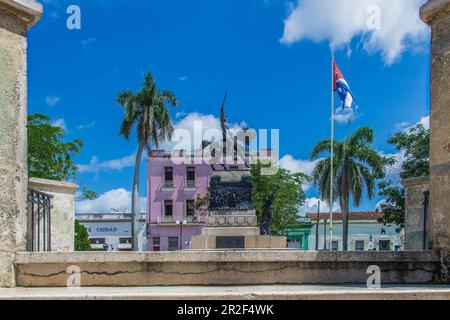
(135, 200)
(345, 208)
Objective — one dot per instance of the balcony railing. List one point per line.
(172, 220)
(39, 221)
(190, 184)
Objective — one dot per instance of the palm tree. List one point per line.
(146, 110)
(356, 167)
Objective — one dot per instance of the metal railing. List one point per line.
(171, 219)
(39, 221)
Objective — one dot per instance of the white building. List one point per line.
(365, 232)
(112, 231)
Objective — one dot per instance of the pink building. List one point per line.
(172, 191)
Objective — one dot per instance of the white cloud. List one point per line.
(60, 123)
(341, 22)
(52, 101)
(346, 115)
(117, 199)
(87, 41)
(425, 121)
(197, 124)
(288, 162)
(311, 206)
(115, 164)
(183, 78)
(406, 125)
(86, 126)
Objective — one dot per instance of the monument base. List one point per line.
(236, 238)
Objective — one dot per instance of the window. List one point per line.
(384, 245)
(190, 207)
(98, 240)
(125, 240)
(335, 245)
(359, 245)
(168, 208)
(173, 243)
(168, 177)
(156, 243)
(190, 177)
(295, 243)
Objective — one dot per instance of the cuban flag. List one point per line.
(342, 88)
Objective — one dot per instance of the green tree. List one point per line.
(147, 111)
(82, 242)
(289, 195)
(357, 165)
(49, 157)
(414, 144)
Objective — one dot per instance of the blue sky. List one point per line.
(274, 62)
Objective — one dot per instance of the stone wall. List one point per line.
(249, 267)
(15, 19)
(436, 13)
(62, 212)
(414, 212)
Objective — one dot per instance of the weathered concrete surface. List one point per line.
(62, 212)
(15, 19)
(436, 13)
(414, 212)
(255, 267)
(237, 293)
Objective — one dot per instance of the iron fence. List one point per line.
(39, 221)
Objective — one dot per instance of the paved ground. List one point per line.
(291, 292)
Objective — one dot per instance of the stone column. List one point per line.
(16, 17)
(415, 223)
(62, 212)
(436, 13)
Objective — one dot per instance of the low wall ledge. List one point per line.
(46, 185)
(434, 10)
(415, 181)
(28, 10)
(225, 256)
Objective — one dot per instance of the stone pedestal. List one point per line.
(436, 13)
(62, 212)
(417, 216)
(235, 225)
(16, 17)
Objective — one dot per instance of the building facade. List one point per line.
(365, 233)
(112, 231)
(172, 191)
(298, 235)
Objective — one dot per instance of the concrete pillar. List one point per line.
(415, 224)
(16, 17)
(436, 13)
(62, 213)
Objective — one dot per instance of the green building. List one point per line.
(298, 234)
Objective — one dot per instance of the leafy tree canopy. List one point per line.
(82, 242)
(415, 146)
(49, 156)
(288, 198)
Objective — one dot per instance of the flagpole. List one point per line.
(332, 150)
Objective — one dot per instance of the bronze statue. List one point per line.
(267, 215)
